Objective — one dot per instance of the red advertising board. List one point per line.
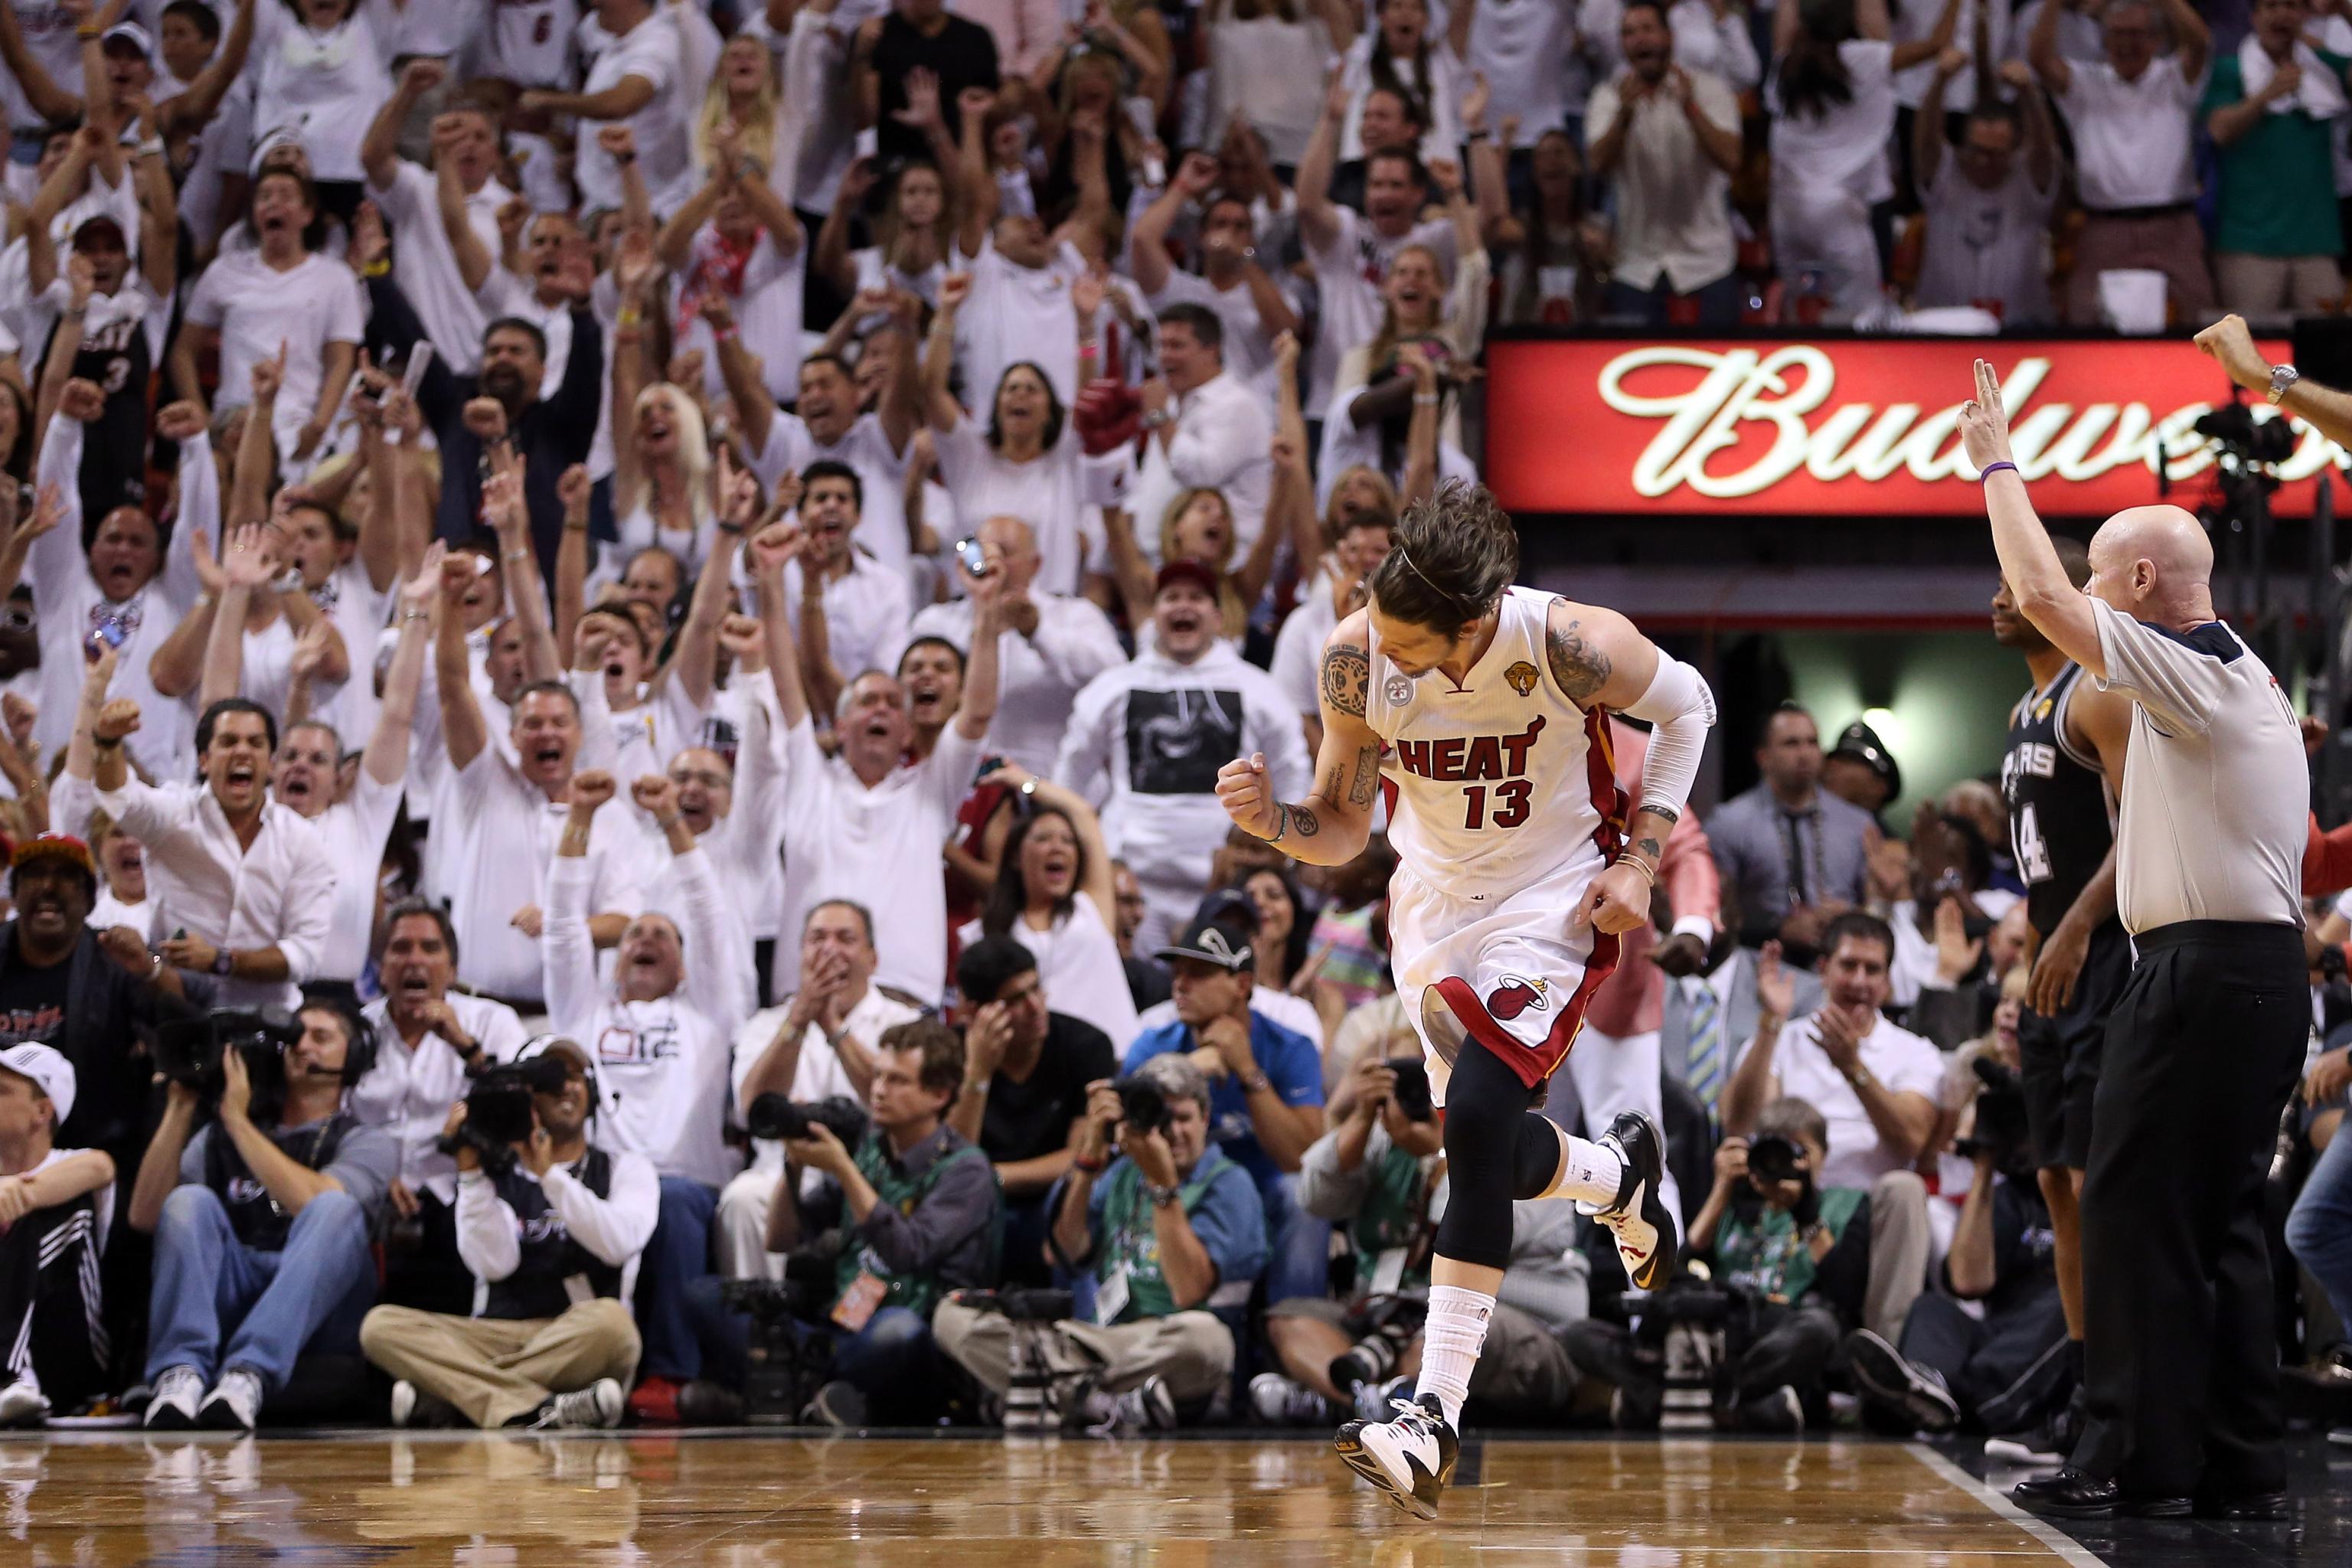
(1867, 427)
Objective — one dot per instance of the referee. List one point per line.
(2207, 1039)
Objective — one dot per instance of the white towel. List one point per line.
(2319, 94)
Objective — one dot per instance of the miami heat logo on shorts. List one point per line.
(1515, 995)
(1522, 677)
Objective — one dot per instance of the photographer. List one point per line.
(430, 1046)
(1876, 1086)
(914, 1204)
(1266, 1091)
(260, 1221)
(2000, 1371)
(1380, 1172)
(54, 1208)
(660, 1034)
(1026, 1073)
(1793, 1254)
(1166, 1226)
(818, 1044)
(552, 1238)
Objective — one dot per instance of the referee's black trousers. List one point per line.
(2181, 1356)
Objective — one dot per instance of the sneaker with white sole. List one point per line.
(22, 1403)
(1883, 1376)
(403, 1402)
(1410, 1458)
(235, 1403)
(593, 1408)
(172, 1406)
(1280, 1400)
(1638, 1217)
(1146, 1407)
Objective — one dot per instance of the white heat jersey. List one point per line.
(1503, 782)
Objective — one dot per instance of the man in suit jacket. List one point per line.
(1616, 1062)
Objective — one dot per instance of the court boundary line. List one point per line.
(2068, 1549)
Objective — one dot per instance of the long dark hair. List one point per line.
(1384, 72)
(1048, 438)
(1008, 897)
(1302, 919)
(1814, 77)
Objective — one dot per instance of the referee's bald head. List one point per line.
(2154, 563)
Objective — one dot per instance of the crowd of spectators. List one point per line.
(621, 618)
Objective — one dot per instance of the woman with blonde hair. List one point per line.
(1197, 525)
(747, 91)
(661, 473)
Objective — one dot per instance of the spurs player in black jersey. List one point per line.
(1482, 709)
(2061, 774)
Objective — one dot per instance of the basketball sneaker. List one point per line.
(1639, 1218)
(1410, 1458)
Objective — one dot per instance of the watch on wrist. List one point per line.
(1160, 1197)
(224, 962)
(1252, 1081)
(2283, 376)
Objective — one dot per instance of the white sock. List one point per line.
(1588, 1172)
(1451, 1338)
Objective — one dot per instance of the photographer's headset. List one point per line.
(337, 997)
(541, 1045)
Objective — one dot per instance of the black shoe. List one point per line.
(1882, 1376)
(1411, 1458)
(1780, 1412)
(2071, 1493)
(1643, 1225)
(704, 1402)
(839, 1404)
(2249, 1506)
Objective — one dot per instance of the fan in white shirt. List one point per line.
(849, 611)
(1052, 645)
(862, 820)
(660, 1030)
(1249, 303)
(735, 244)
(417, 207)
(639, 78)
(1206, 430)
(818, 1044)
(247, 879)
(316, 68)
(429, 1046)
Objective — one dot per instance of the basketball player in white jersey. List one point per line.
(1483, 708)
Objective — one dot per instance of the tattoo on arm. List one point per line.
(1347, 674)
(1368, 777)
(1577, 663)
(1303, 823)
(1648, 846)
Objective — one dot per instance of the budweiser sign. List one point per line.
(1866, 427)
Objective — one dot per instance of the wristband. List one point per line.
(1426, 400)
(106, 743)
(1255, 1081)
(1281, 822)
(379, 267)
(1091, 1167)
(724, 334)
(151, 148)
(666, 823)
(88, 31)
(408, 616)
(1989, 469)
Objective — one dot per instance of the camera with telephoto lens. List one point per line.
(499, 1113)
(1687, 1332)
(192, 1051)
(1141, 1105)
(2234, 429)
(1771, 1157)
(1373, 1358)
(1033, 1405)
(777, 1116)
(2001, 1128)
(785, 1366)
(1412, 1091)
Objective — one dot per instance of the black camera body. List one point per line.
(786, 1367)
(1141, 1105)
(1411, 1093)
(778, 1116)
(192, 1052)
(2000, 1125)
(1773, 1158)
(1021, 1303)
(498, 1111)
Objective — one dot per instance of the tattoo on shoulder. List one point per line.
(1368, 777)
(1577, 662)
(1347, 674)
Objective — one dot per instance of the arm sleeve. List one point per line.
(1211, 449)
(2170, 675)
(1077, 643)
(148, 812)
(306, 917)
(1680, 710)
(568, 957)
(957, 1208)
(1230, 1220)
(488, 1239)
(200, 507)
(615, 1228)
(365, 1165)
(1085, 759)
(712, 981)
(57, 553)
(1324, 1190)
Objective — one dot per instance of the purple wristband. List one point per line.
(1989, 469)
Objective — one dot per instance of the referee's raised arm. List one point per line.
(2045, 595)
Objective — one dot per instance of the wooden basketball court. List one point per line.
(469, 1500)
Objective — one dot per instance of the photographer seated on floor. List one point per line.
(1379, 1170)
(909, 1211)
(54, 1208)
(2000, 1372)
(260, 1218)
(1165, 1229)
(1790, 1264)
(551, 1230)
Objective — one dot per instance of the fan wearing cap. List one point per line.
(1266, 1090)
(1147, 739)
(248, 881)
(54, 1208)
(552, 1242)
(1860, 770)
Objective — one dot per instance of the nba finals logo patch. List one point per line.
(1522, 677)
(1400, 691)
(1515, 995)
(2041, 709)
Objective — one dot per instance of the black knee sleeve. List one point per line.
(1488, 1157)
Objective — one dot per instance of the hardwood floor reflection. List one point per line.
(471, 1501)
